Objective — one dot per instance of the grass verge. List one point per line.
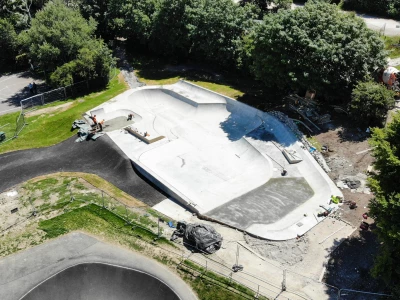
(392, 44)
(154, 71)
(50, 128)
(96, 220)
(210, 285)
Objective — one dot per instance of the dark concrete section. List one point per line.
(265, 204)
(117, 123)
(101, 282)
(101, 157)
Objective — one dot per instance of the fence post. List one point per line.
(284, 280)
(34, 209)
(127, 218)
(70, 193)
(102, 197)
(42, 98)
(65, 93)
(258, 292)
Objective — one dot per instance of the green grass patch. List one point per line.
(51, 128)
(209, 285)
(392, 45)
(94, 219)
(154, 71)
(8, 126)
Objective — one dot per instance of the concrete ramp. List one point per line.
(101, 282)
(222, 158)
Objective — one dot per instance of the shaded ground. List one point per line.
(350, 264)
(265, 204)
(14, 88)
(102, 158)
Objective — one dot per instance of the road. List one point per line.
(101, 157)
(103, 269)
(385, 26)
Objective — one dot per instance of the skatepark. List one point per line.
(219, 158)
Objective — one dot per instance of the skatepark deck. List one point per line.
(221, 158)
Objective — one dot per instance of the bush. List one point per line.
(370, 102)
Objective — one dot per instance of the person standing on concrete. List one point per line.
(94, 120)
(34, 87)
(30, 88)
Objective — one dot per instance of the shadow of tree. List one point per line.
(349, 266)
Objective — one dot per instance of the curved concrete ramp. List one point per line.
(94, 281)
(223, 159)
(77, 266)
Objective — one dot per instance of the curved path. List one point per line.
(22, 272)
(101, 157)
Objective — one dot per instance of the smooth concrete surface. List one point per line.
(101, 282)
(222, 159)
(21, 273)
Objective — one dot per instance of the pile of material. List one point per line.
(201, 236)
(86, 132)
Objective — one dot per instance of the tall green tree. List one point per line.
(370, 102)
(60, 37)
(8, 43)
(316, 47)
(208, 30)
(385, 207)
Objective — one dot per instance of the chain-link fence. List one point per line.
(11, 131)
(62, 93)
(49, 198)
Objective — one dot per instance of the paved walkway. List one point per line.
(21, 272)
(102, 158)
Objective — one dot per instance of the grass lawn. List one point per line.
(390, 41)
(50, 128)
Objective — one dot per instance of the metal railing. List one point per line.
(273, 282)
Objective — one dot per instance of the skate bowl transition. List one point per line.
(101, 282)
(220, 158)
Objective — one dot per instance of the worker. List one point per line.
(94, 119)
(130, 116)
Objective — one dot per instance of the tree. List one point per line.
(208, 30)
(17, 10)
(370, 102)
(316, 47)
(385, 207)
(61, 38)
(8, 43)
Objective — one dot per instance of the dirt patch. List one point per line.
(48, 110)
(344, 144)
(287, 252)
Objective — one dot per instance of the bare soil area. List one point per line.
(349, 155)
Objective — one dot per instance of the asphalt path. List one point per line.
(101, 157)
(78, 266)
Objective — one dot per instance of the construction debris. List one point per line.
(87, 132)
(201, 236)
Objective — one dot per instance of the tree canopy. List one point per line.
(316, 47)
(60, 37)
(370, 102)
(8, 43)
(210, 30)
(385, 207)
